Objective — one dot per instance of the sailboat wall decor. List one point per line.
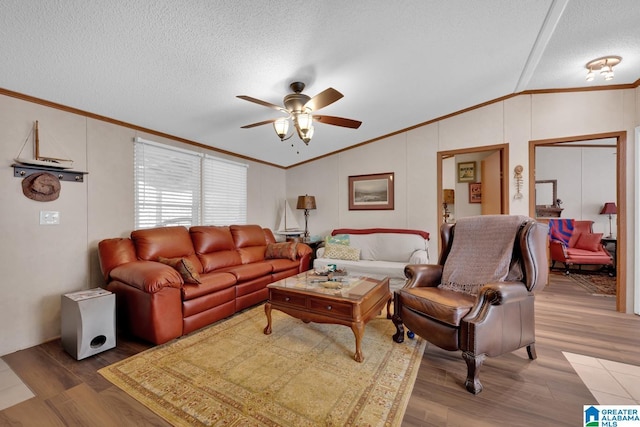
(38, 160)
(288, 224)
(25, 166)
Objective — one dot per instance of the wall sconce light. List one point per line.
(307, 203)
(603, 65)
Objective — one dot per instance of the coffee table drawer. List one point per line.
(330, 307)
(286, 298)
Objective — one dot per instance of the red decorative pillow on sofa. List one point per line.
(589, 241)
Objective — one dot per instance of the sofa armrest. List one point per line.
(420, 256)
(114, 252)
(148, 276)
(557, 250)
(303, 249)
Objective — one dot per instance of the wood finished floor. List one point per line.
(517, 391)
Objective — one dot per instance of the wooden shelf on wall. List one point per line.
(23, 171)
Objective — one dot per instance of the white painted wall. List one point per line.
(40, 263)
(412, 156)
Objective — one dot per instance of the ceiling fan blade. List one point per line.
(324, 98)
(260, 102)
(252, 125)
(338, 121)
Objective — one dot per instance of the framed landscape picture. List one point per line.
(371, 192)
(467, 172)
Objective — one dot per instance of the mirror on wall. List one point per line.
(547, 202)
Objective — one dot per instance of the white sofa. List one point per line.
(383, 251)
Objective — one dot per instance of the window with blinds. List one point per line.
(225, 192)
(181, 187)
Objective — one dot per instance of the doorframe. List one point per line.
(621, 196)
(504, 164)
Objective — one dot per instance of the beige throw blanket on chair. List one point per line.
(481, 252)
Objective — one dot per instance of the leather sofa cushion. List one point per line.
(248, 235)
(219, 260)
(208, 239)
(282, 264)
(250, 241)
(168, 242)
(209, 283)
(441, 304)
(251, 271)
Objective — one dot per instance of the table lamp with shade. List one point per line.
(609, 208)
(307, 203)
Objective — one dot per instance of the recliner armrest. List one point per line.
(422, 275)
(496, 294)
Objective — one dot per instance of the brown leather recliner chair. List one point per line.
(496, 317)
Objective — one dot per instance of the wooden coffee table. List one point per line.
(305, 297)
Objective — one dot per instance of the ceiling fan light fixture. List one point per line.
(281, 127)
(306, 137)
(604, 65)
(590, 75)
(305, 122)
(300, 109)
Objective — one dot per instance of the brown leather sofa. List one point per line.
(158, 301)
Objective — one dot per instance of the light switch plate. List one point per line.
(49, 217)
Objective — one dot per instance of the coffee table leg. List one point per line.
(358, 332)
(267, 311)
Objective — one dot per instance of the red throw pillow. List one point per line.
(589, 241)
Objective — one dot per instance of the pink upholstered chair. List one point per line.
(573, 242)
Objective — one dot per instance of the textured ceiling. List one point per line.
(177, 66)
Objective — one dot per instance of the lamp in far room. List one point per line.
(609, 208)
(307, 203)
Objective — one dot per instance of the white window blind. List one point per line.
(225, 192)
(167, 186)
(181, 187)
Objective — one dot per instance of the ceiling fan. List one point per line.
(300, 110)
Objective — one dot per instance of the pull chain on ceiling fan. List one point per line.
(299, 109)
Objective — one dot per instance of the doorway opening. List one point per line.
(494, 188)
(620, 139)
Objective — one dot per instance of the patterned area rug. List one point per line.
(303, 374)
(596, 283)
